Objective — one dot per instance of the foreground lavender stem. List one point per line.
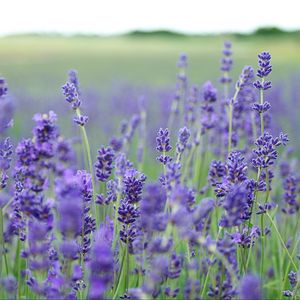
(71, 93)
(245, 79)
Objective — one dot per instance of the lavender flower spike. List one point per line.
(163, 145)
(250, 288)
(104, 164)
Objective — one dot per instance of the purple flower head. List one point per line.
(134, 122)
(81, 120)
(45, 133)
(183, 137)
(235, 205)
(104, 164)
(265, 68)
(172, 177)
(293, 278)
(133, 183)
(209, 93)
(45, 128)
(111, 193)
(10, 285)
(250, 288)
(3, 87)
(122, 165)
(128, 213)
(101, 266)
(116, 143)
(153, 203)
(201, 214)
(217, 171)
(182, 61)
(6, 151)
(244, 238)
(264, 62)
(26, 153)
(261, 108)
(246, 77)
(191, 106)
(71, 95)
(163, 140)
(175, 266)
(171, 293)
(290, 186)
(236, 166)
(208, 117)
(73, 78)
(6, 107)
(163, 145)
(64, 151)
(70, 205)
(38, 245)
(192, 289)
(266, 153)
(226, 63)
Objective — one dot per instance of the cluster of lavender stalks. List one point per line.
(220, 222)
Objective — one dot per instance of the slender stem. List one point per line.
(210, 266)
(18, 267)
(289, 265)
(230, 117)
(282, 242)
(2, 250)
(87, 149)
(262, 225)
(262, 125)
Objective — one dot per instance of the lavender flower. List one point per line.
(226, 63)
(101, 265)
(6, 107)
(235, 205)
(73, 78)
(183, 137)
(265, 68)
(81, 120)
(246, 77)
(250, 288)
(208, 117)
(104, 164)
(290, 195)
(163, 145)
(266, 152)
(3, 87)
(133, 185)
(71, 94)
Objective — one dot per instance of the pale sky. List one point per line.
(118, 16)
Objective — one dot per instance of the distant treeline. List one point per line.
(260, 32)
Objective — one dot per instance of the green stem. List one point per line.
(230, 117)
(262, 226)
(262, 125)
(209, 268)
(289, 265)
(2, 250)
(18, 267)
(282, 242)
(87, 151)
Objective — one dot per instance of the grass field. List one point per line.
(36, 66)
(28, 61)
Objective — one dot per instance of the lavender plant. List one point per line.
(218, 219)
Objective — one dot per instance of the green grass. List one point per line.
(39, 64)
(36, 66)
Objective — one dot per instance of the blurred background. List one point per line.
(125, 50)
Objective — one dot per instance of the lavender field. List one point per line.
(149, 168)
